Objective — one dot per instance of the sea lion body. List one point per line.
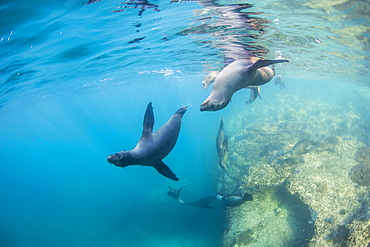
(175, 194)
(237, 75)
(222, 145)
(152, 147)
(234, 200)
(301, 147)
(203, 202)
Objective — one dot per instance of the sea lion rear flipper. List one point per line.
(247, 197)
(263, 63)
(148, 120)
(163, 169)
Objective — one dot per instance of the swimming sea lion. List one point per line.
(203, 202)
(175, 194)
(233, 200)
(152, 147)
(279, 81)
(237, 75)
(255, 91)
(209, 78)
(222, 144)
(302, 147)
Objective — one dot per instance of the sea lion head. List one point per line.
(119, 159)
(213, 104)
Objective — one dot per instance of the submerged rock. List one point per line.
(360, 174)
(310, 152)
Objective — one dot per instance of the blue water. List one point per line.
(75, 81)
(57, 188)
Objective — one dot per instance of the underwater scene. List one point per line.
(187, 123)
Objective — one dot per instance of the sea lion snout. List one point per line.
(204, 106)
(182, 110)
(111, 159)
(119, 159)
(212, 106)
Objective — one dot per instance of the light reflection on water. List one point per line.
(84, 43)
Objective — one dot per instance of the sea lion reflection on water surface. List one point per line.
(152, 147)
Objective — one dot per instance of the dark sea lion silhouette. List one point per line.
(152, 147)
(239, 74)
(203, 202)
(175, 194)
(234, 200)
(222, 144)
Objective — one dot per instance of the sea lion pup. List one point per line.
(209, 78)
(233, 200)
(237, 75)
(222, 144)
(152, 147)
(279, 81)
(255, 91)
(175, 194)
(203, 202)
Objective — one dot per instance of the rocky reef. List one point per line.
(308, 167)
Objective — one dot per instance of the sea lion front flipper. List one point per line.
(263, 63)
(258, 90)
(163, 169)
(148, 122)
(225, 142)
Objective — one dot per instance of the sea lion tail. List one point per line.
(181, 188)
(163, 169)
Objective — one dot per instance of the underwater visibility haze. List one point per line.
(77, 76)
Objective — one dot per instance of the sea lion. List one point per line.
(209, 78)
(279, 81)
(302, 147)
(152, 147)
(222, 144)
(233, 200)
(255, 91)
(175, 194)
(237, 75)
(203, 202)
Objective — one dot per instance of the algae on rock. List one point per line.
(319, 178)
